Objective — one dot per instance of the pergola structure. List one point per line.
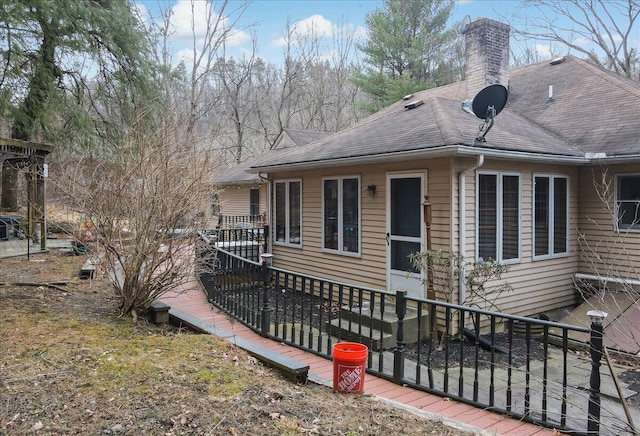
(29, 157)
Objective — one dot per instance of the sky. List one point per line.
(267, 19)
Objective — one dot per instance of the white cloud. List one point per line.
(543, 51)
(193, 19)
(315, 25)
(189, 18)
(360, 33)
(279, 42)
(237, 38)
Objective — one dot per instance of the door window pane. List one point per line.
(400, 251)
(405, 201)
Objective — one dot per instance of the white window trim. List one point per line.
(551, 254)
(340, 210)
(499, 235)
(615, 204)
(287, 209)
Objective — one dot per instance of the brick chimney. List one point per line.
(487, 54)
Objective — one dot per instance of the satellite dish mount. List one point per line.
(486, 105)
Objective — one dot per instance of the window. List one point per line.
(498, 217)
(254, 202)
(550, 216)
(628, 201)
(341, 214)
(288, 207)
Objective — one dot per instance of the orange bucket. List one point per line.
(349, 359)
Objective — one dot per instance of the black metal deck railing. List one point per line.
(493, 360)
(236, 221)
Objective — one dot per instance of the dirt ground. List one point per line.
(69, 366)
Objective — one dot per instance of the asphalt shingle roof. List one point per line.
(239, 175)
(593, 111)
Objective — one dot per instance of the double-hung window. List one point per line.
(341, 214)
(498, 217)
(628, 201)
(288, 212)
(550, 216)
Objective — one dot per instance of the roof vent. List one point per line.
(557, 61)
(408, 97)
(413, 104)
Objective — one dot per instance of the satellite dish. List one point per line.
(493, 96)
(464, 23)
(486, 105)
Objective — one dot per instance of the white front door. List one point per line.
(405, 232)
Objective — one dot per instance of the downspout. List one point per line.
(268, 217)
(462, 226)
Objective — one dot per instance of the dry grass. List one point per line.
(69, 366)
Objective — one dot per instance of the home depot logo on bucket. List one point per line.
(349, 359)
(350, 378)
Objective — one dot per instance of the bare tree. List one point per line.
(146, 203)
(603, 31)
(311, 90)
(240, 100)
(187, 82)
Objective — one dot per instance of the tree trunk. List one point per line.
(32, 106)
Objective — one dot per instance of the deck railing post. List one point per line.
(593, 424)
(266, 284)
(265, 242)
(398, 353)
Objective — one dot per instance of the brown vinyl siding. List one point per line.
(370, 268)
(234, 199)
(618, 253)
(538, 285)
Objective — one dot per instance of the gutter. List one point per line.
(630, 158)
(447, 151)
(462, 226)
(604, 279)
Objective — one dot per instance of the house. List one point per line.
(551, 190)
(242, 194)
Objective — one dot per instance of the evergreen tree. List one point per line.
(408, 49)
(60, 52)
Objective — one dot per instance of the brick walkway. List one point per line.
(193, 302)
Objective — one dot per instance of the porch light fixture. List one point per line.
(371, 190)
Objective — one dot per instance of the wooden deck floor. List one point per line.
(193, 301)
